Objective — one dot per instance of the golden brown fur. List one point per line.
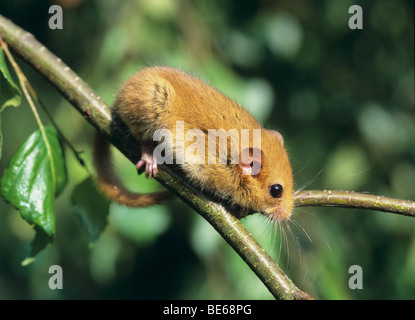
(158, 97)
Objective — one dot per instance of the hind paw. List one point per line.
(147, 163)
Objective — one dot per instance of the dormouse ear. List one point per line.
(251, 161)
(278, 135)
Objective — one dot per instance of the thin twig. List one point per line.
(49, 115)
(350, 199)
(22, 80)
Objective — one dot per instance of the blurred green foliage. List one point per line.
(343, 99)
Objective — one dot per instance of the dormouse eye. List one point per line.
(276, 190)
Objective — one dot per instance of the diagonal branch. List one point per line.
(97, 112)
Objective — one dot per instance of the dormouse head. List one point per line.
(267, 173)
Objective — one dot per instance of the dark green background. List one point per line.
(343, 99)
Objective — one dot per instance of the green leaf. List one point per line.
(91, 206)
(10, 95)
(1, 140)
(39, 243)
(34, 176)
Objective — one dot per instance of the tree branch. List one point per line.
(97, 112)
(350, 199)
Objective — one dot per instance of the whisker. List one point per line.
(283, 238)
(271, 231)
(275, 235)
(302, 229)
(286, 229)
(306, 184)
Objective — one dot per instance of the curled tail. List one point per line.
(111, 185)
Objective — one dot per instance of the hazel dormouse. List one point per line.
(223, 150)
